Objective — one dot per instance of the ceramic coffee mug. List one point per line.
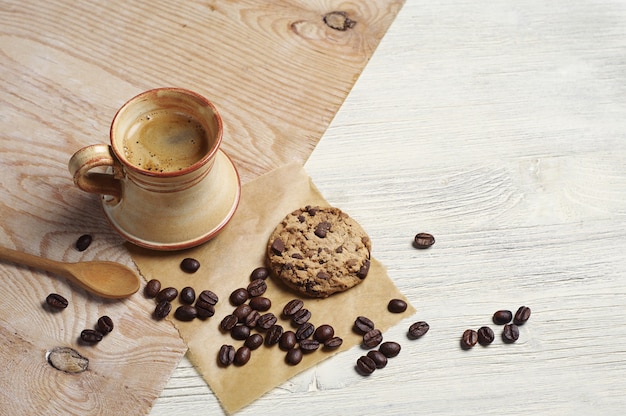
(166, 184)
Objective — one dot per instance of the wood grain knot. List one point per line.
(339, 20)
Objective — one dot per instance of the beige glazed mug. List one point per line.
(163, 180)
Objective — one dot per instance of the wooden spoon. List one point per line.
(103, 278)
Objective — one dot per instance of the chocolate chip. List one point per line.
(322, 229)
(278, 247)
(362, 274)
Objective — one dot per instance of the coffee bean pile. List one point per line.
(372, 337)
(510, 331)
(203, 308)
(251, 322)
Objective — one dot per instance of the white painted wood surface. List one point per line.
(500, 128)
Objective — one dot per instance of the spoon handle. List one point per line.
(33, 261)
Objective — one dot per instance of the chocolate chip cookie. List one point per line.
(319, 251)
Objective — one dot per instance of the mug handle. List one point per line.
(91, 157)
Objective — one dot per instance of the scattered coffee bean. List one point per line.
(418, 329)
(266, 320)
(83, 242)
(168, 294)
(378, 357)
(254, 341)
(240, 332)
(323, 332)
(372, 338)
(389, 349)
(502, 317)
(228, 322)
(185, 313)
(226, 356)
(104, 325)
(304, 331)
(242, 311)
(397, 306)
(363, 324)
(423, 240)
(187, 295)
(205, 310)
(242, 356)
(294, 356)
(56, 301)
(287, 340)
(469, 339)
(260, 273)
(485, 336)
(162, 309)
(152, 288)
(292, 307)
(208, 297)
(256, 287)
(273, 335)
(522, 315)
(365, 365)
(510, 333)
(90, 336)
(302, 316)
(260, 303)
(309, 345)
(189, 265)
(332, 343)
(252, 319)
(238, 296)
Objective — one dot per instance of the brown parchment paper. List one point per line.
(226, 264)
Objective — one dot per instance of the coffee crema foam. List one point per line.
(165, 141)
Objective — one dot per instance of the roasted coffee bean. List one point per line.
(365, 365)
(240, 332)
(502, 317)
(256, 287)
(266, 321)
(485, 336)
(189, 265)
(152, 288)
(273, 335)
(104, 325)
(324, 332)
(423, 240)
(287, 340)
(226, 356)
(396, 306)
(242, 356)
(372, 338)
(168, 294)
(260, 273)
(83, 242)
(252, 319)
(185, 313)
(302, 316)
(242, 311)
(205, 310)
(389, 349)
(522, 315)
(90, 336)
(332, 343)
(418, 329)
(309, 345)
(228, 322)
(469, 339)
(304, 331)
(363, 324)
(260, 303)
(254, 341)
(162, 309)
(56, 301)
(187, 295)
(294, 356)
(208, 297)
(510, 333)
(238, 296)
(378, 357)
(292, 307)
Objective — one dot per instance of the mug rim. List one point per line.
(210, 155)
